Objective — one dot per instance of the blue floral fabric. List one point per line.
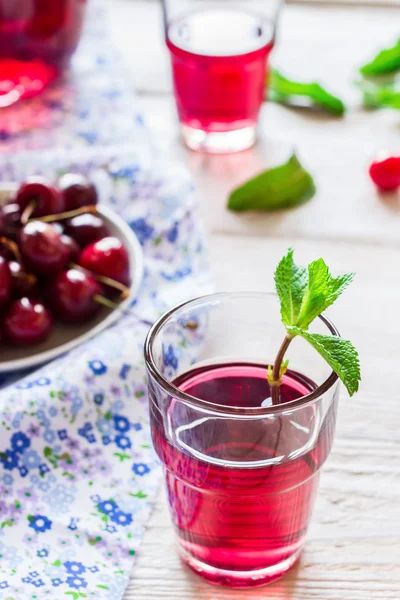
(91, 105)
(77, 471)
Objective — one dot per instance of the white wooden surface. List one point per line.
(353, 549)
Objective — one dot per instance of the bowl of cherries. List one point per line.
(69, 268)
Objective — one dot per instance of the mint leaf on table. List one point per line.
(378, 94)
(386, 61)
(304, 294)
(285, 186)
(340, 354)
(295, 93)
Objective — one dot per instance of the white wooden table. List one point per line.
(353, 548)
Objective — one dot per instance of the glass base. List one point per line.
(239, 579)
(219, 142)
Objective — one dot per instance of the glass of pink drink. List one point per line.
(241, 474)
(219, 52)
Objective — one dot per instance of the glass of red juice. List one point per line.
(219, 52)
(241, 473)
(45, 30)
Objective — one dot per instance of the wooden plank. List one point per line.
(336, 151)
(347, 206)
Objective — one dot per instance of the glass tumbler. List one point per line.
(219, 51)
(241, 473)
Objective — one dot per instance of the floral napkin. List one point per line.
(77, 471)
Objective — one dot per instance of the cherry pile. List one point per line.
(58, 259)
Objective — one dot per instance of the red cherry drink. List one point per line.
(231, 515)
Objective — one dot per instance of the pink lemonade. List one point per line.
(219, 63)
(238, 523)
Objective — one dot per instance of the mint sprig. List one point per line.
(304, 294)
(386, 61)
(380, 93)
(297, 93)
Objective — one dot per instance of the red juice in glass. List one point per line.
(246, 518)
(219, 64)
(241, 471)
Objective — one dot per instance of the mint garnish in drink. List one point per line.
(304, 294)
(298, 94)
(285, 186)
(386, 61)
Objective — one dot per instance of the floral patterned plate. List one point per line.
(65, 336)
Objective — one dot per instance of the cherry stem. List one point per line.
(276, 371)
(30, 277)
(109, 304)
(28, 210)
(106, 280)
(91, 209)
(12, 246)
(124, 311)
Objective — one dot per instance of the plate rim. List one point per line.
(48, 355)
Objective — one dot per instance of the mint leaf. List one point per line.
(340, 354)
(294, 93)
(386, 61)
(304, 294)
(322, 291)
(380, 94)
(290, 282)
(285, 186)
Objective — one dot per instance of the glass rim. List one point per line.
(174, 391)
(275, 17)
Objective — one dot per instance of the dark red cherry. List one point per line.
(77, 191)
(71, 296)
(72, 247)
(41, 196)
(6, 253)
(5, 283)
(108, 258)
(86, 229)
(42, 249)
(22, 282)
(58, 227)
(10, 221)
(27, 322)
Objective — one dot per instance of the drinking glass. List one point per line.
(241, 473)
(46, 30)
(219, 52)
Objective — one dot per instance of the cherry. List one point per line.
(77, 191)
(72, 296)
(42, 249)
(108, 258)
(386, 173)
(27, 322)
(22, 282)
(58, 227)
(5, 283)
(86, 229)
(37, 197)
(72, 247)
(10, 220)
